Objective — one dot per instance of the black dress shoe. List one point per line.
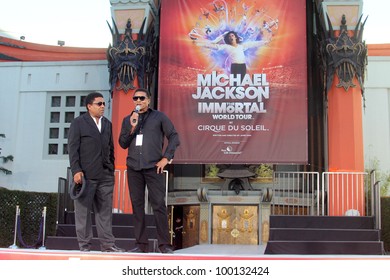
(166, 250)
(114, 248)
(136, 250)
(85, 249)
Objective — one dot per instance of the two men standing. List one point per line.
(91, 155)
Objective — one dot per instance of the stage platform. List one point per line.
(193, 253)
(198, 252)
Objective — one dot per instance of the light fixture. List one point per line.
(333, 11)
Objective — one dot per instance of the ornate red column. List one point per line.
(345, 57)
(345, 151)
(121, 106)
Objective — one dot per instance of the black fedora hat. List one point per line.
(78, 190)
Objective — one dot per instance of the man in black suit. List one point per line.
(91, 156)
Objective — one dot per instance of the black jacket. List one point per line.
(155, 127)
(90, 151)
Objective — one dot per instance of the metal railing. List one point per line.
(121, 197)
(345, 193)
(375, 201)
(293, 193)
(296, 193)
(332, 193)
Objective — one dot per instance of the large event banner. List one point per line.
(233, 79)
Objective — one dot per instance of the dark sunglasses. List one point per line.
(142, 98)
(100, 103)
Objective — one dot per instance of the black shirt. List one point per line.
(154, 126)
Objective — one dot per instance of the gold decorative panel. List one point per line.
(204, 231)
(265, 232)
(234, 224)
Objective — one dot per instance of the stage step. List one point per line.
(316, 234)
(323, 235)
(70, 243)
(327, 222)
(117, 219)
(324, 247)
(122, 228)
(118, 231)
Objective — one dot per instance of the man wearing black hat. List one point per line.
(91, 156)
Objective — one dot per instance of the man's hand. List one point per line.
(161, 165)
(78, 177)
(134, 119)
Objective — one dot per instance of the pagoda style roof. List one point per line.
(17, 50)
(236, 171)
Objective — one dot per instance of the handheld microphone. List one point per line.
(136, 110)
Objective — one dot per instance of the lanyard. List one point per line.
(143, 120)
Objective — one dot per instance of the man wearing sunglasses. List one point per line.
(91, 156)
(143, 133)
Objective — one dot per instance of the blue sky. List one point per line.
(82, 23)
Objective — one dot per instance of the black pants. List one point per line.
(156, 189)
(98, 198)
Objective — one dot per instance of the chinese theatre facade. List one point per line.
(267, 99)
(250, 113)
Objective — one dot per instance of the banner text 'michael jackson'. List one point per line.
(236, 95)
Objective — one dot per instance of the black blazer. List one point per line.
(90, 151)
